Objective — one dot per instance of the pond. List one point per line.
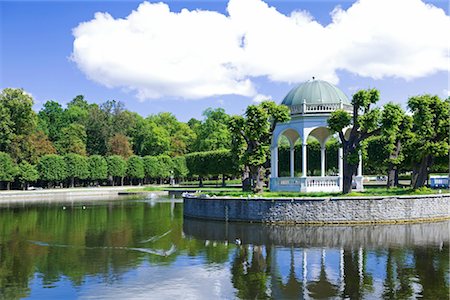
(143, 249)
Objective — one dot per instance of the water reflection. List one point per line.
(328, 262)
(144, 249)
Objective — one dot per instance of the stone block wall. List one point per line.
(321, 210)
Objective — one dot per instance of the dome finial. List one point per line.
(314, 77)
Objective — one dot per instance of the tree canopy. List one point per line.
(251, 137)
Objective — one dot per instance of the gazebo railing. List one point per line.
(307, 108)
(307, 184)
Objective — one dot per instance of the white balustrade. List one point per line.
(319, 108)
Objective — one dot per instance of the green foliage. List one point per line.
(77, 166)
(339, 120)
(51, 119)
(429, 139)
(431, 123)
(17, 119)
(52, 167)
(117, 166)
(211, 163)
(256, 130)
(151, 166)
(180, 134)
(150, 139)
(72, 140)
(212, 133)
(98, 168)
(179, 167)
(27, 172)
(162, 166)
(135, 167)
(251, 137)
(7, 168)
(364, 123)
(165, 166)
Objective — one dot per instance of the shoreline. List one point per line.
(70, 194)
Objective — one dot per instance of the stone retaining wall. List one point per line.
(321, 210)
(329, 236)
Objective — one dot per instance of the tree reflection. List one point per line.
(322, 288)
(293, 289)
(249, 273)
(101, 241)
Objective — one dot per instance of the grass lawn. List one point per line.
(235, 191)
(366, 192)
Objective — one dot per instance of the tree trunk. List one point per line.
(121, 181)
(420, 172)
(392, 172)
(246, 180)
(396, 177)
(8, 185)
(200, 181)
(223, 180)
(72, 181)
(349, 171)
(259, 183)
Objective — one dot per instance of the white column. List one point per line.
(274, 162)
(341, 270)
(359, 177)
(292, 161)
(322, 160)
(360, 164)
(304, 166)
(305, 274)
(341, 165)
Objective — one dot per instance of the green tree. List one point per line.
(51, 119)
(17, 120)
(150, 139)
(362, 126)
(151, 167)
(135, 168)
(77, 111)
(52, 168)
(7, 169)
(27, 173)
(117, 167)
(98, 168)
(396, 131)
(165, 166)
(251, 136)
(179, 133)
(77, 167)
(430, 139)
(72, 140)
(213, 132)
(180, 169)
(97, 131)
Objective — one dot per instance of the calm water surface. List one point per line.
(143, 249)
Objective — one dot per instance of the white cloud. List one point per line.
(197, 54)
(260, 97)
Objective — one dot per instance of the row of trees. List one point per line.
(406, 142)
(403, 142)
(74, 169)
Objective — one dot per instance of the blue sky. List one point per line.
(37, 47)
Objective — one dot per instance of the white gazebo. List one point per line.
(311, 104)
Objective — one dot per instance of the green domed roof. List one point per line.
(315, 92)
